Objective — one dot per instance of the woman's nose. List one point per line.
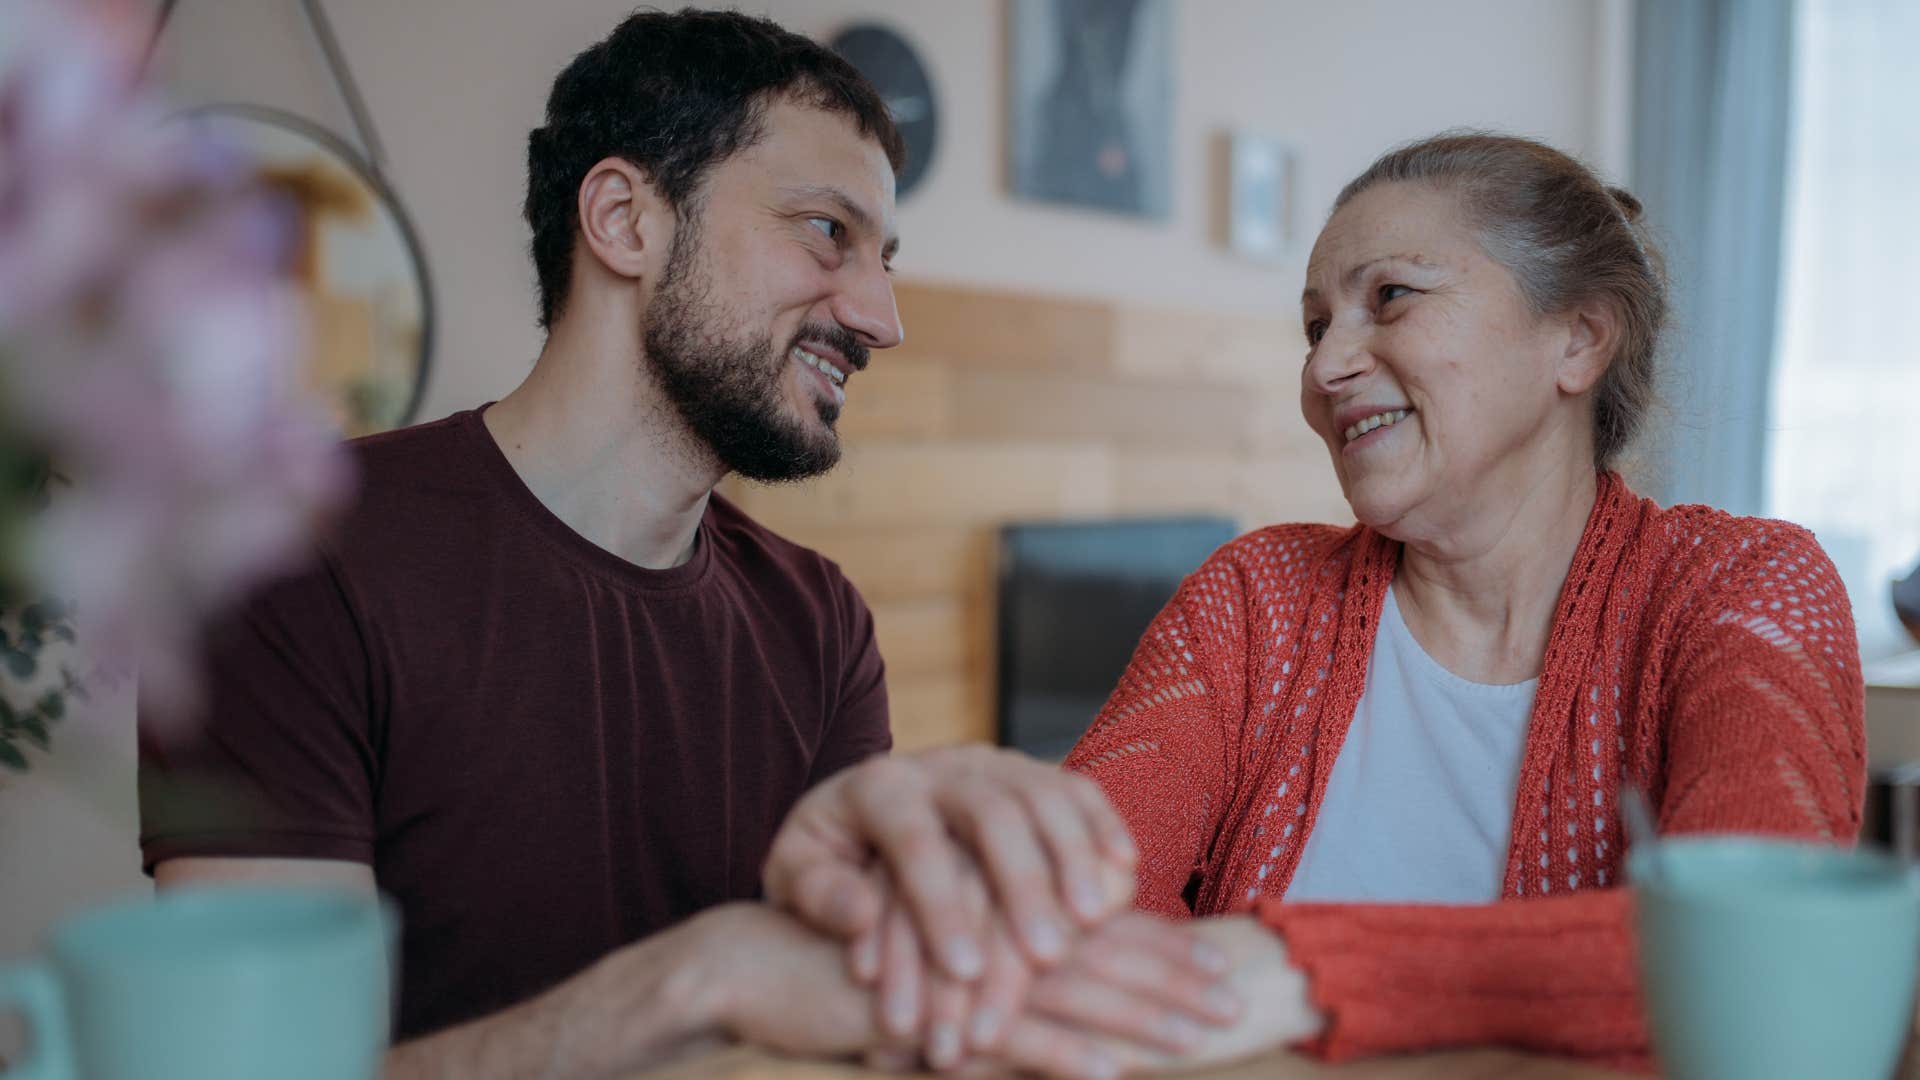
(1337, 357)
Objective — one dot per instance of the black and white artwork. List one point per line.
(1092, 103)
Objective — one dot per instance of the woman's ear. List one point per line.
(627, 226)
(1592, 339)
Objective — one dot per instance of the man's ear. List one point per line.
(626, 224)
(1593, 337)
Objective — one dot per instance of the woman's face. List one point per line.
(1428, 376)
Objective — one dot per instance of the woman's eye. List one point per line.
(1393, 292)
(1316, 330)
(828, 227)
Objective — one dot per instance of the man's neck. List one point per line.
(593, 437)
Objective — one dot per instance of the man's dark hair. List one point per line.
(675, 94)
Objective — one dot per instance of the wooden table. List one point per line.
(1893, 709)
(745, 1064)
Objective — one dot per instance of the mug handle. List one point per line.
(33, 990)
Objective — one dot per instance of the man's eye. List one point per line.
(827, 226)
(1316, 330)
(1393, 292)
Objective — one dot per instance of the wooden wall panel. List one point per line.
(899, 397)
(1018, 407)
(926, 637)
(938, 712)
(1003, 408)
(1217, 349)
(971, 329)
(890, 563)
(1177, 483)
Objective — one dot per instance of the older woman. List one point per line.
(1403, 745)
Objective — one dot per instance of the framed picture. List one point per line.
(1261, 180)
(1091, 96)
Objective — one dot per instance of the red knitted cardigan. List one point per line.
(1709, 658)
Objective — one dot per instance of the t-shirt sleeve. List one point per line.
(282, 759)
(859, 727)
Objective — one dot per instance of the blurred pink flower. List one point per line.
(149, 342)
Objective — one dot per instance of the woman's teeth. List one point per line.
(834, 375)
(1377, 420)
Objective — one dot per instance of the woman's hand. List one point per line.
(1063, 1024)
(1134, 980)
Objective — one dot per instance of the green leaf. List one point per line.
(64, 633)
(34, 619)
(11, 757)
(52, 706)
(36, 731)
(21, 664)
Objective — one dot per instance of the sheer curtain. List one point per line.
(1711, 97)
(1843, 452)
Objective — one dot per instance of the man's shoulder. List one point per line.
(414, 486)
(422, 454)
(757, 550)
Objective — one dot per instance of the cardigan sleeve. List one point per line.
(1165, 748)
(1766, 704)
(1764, 732)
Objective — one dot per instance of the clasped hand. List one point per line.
(981, 901)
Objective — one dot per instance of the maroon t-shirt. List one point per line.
(543, 750)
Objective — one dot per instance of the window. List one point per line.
(1844, 450)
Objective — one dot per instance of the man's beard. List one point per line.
(729, 391)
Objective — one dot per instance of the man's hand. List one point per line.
(781, 985)
(1055, 852)
(743, 970)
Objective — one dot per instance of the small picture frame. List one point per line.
(1262, 175)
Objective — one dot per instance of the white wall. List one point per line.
(454, 88)
(455, 94)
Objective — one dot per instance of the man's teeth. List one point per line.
(1375, 421)
(834, 375)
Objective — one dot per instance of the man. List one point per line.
(555, 696)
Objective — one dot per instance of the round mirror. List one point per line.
(356, 259)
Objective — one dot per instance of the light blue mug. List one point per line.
(1768, 958)
(226, 983)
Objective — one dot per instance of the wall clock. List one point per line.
(884, 57)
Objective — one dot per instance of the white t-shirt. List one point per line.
(1420, 804)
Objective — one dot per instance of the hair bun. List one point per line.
(1629, 206)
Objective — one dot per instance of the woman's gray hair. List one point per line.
(1567, 239)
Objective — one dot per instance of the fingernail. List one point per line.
(902, 1012)
(1101, 1065)
(964, 959)
(1045, 937)
(1179, 1031)
(1088, 902)
(866, 962)
(943, 1045)
(1209, 957)
(984, 1029)
(1223, 1002)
